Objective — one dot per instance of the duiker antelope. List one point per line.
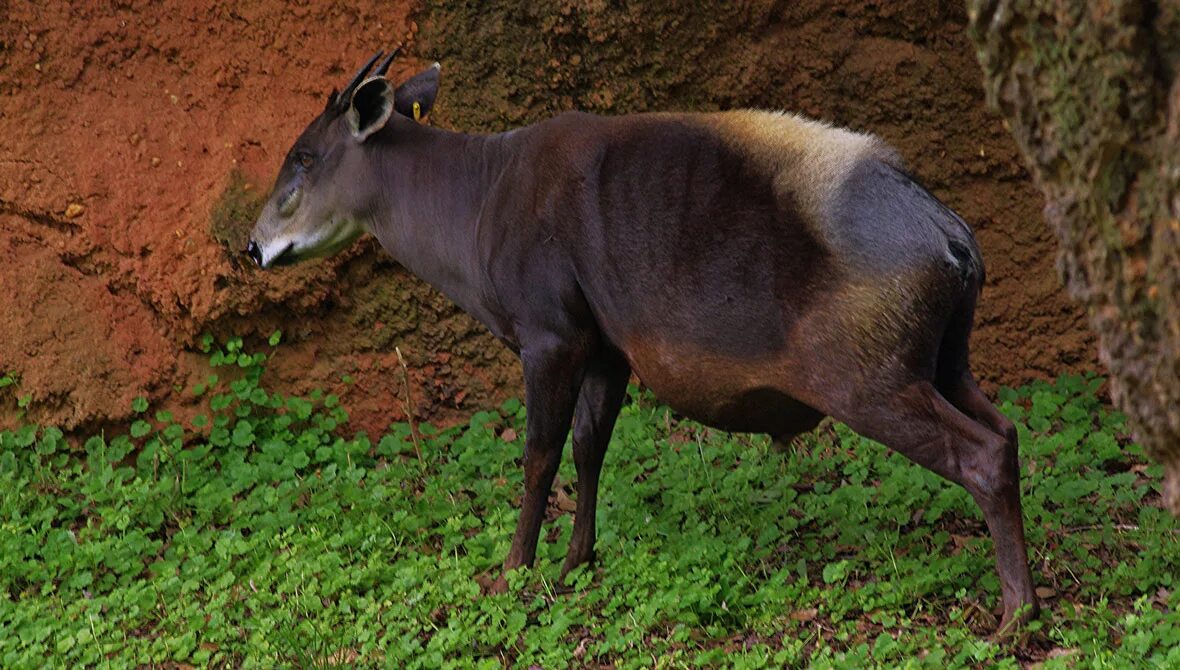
(757, 270)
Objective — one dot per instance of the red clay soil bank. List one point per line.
(122, 128)
(134, 140)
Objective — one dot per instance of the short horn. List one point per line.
(384, 66)
(346, 94)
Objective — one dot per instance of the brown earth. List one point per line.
(135, 139)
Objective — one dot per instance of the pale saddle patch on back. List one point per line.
(809, 160)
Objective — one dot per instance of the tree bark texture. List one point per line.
(1089, 89)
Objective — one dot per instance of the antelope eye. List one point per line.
(305, 159)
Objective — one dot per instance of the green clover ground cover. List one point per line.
(259, 536)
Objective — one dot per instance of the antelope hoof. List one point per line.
(1012, 625)
(572, 562)
(498, 587)
(490, 584)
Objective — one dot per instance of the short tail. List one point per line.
(960, 239)
(967, 256)
(963, 247)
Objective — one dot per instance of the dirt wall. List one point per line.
(135, 140)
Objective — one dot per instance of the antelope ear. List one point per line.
(371, 107)
(415, 97)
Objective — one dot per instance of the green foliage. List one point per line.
(11, 381)
(258, 537)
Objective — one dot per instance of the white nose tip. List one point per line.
(284, 256)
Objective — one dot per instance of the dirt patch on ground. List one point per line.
(136, 137)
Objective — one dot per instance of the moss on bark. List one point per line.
(1091, 94)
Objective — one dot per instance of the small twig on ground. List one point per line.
(409, 406)
(1125, 527)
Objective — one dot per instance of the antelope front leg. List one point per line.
(552, 374)
(603, 389)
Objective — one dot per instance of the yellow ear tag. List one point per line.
(417, 111)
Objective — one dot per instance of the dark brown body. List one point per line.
(758, 271)
(660, 239)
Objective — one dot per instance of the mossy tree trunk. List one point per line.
(1090, 91)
